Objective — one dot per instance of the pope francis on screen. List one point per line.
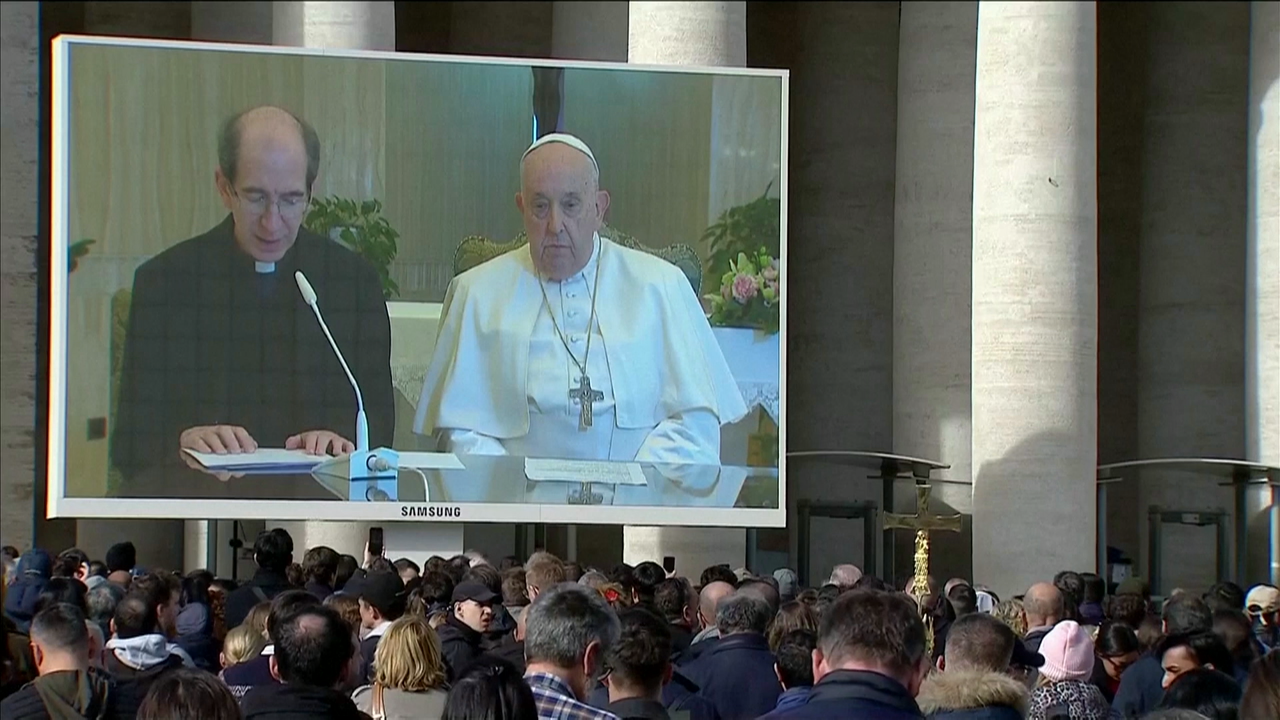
(573, 346)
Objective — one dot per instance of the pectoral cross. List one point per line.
(922, 522)
(587, 398)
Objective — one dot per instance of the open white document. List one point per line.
(279, 460)
(431, 461)
(584, 471)
(274, 459)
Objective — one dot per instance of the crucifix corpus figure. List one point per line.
(587, 398)
(922, 522)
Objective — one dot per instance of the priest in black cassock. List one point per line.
(222, 354)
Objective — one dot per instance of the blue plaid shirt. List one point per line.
(556, 702)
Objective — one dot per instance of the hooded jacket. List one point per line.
(68, 695)
(31, 578)
(136, 663)
(976, 695)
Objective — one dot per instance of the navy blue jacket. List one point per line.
(737, 676)
(1140, 691)
(793, 697)
(854, 695)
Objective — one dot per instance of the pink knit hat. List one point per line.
(1068, 653)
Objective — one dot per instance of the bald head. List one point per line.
(1043, 605)
(710, 598)
(268, 129)
(845, 576)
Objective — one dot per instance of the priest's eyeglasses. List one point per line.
(290, 207)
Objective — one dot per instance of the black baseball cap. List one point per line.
(383, 590)
(474, 591)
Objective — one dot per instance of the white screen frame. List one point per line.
(59, 505)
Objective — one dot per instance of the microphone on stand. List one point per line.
(380, 463)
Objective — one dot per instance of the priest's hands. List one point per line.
(218, 439)
(320, 442)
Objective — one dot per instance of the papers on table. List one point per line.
(284, 461)
(431, 461)
(264, 459)
(584, 471)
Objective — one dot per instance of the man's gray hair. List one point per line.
(742, 613)
(845, 576)
(593, 579)
(102, 600)
(563, 621)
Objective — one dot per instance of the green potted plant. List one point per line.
(746, 229)
(360, 226)
(75, 251)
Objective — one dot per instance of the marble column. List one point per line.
(19, 298)
(1034, 347)
(1262, 296)
(342, 25)
(840, 245)
(347, 25)
(933, 232)
(1191, 328)
(687, 33)
(589, 30)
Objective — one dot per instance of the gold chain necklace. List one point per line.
(586, 395)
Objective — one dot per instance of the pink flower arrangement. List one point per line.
(745, 287)
(750, 294)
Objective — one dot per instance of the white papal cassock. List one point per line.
(500, 379)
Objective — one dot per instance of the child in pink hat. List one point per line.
(1064, 678)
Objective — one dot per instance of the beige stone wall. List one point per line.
(19, 93)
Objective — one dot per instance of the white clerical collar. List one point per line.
(588, 270)
(263, 268)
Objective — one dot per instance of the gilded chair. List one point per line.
(474, 250)
(120, 302)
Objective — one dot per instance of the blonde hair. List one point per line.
(242, 644)
(408, 657)
(257, 618)
(543, 571)
(1010, 613)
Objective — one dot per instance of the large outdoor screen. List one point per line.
(557, 290)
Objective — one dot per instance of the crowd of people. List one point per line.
(467, 637)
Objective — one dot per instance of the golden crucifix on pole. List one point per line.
(922, 522)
